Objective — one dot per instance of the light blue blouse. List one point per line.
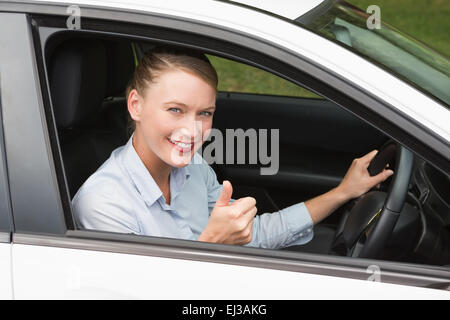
(121, 196)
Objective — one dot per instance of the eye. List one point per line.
(175, 110)
(206, 113)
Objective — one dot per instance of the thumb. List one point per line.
(225, 195)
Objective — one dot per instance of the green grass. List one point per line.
(426, 20)
(238, 77)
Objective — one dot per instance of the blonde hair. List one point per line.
(160, 59)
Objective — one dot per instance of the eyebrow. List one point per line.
(185, 105)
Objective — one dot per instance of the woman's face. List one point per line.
(174, 115)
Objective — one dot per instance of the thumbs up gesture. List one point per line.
(230, 223)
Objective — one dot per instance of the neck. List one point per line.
(159, 170)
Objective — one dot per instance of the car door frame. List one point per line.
(29, 233)
(6, 219)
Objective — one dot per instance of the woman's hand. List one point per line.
(230, 223)
(358, 181)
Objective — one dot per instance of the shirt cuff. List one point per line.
(300, 224)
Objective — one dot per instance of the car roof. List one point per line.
(290, 9)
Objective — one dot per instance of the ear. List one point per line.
(134, 104)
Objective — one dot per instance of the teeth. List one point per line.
(183, 145)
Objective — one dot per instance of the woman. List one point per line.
(157, 185)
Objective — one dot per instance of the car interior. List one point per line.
(317, 142)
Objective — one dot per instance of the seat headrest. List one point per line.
(121, 67)
(77, 80)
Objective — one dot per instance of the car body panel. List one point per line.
(6, 284)
(23, 117)
(62, 273)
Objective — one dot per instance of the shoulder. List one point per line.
(103, 181)
(110, 181)
(104, 202)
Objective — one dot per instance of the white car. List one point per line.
(63, 69)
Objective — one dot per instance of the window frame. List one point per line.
(183, 249)
(6, 220)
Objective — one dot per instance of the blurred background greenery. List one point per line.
(426, 20)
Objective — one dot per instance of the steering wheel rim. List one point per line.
(375, 228)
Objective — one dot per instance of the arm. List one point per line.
(292, 225)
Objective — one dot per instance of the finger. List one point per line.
(247, 231)
(369, 157)
(381, 177)
(250, 214)
(245, 204)
(251, 217)
(225, 195)
(250, 230)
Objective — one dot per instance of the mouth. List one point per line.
(182, 146)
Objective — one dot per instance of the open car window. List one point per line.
(238, 77)
(87, 137)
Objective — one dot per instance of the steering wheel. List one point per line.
(364, 229)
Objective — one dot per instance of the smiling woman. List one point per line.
(149, 187)
(171, 98)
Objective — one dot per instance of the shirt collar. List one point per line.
(144, 181)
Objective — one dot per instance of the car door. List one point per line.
(51, 259)
(73, 268)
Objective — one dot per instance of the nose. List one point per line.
(189, 131)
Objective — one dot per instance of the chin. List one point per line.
(179, 161)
